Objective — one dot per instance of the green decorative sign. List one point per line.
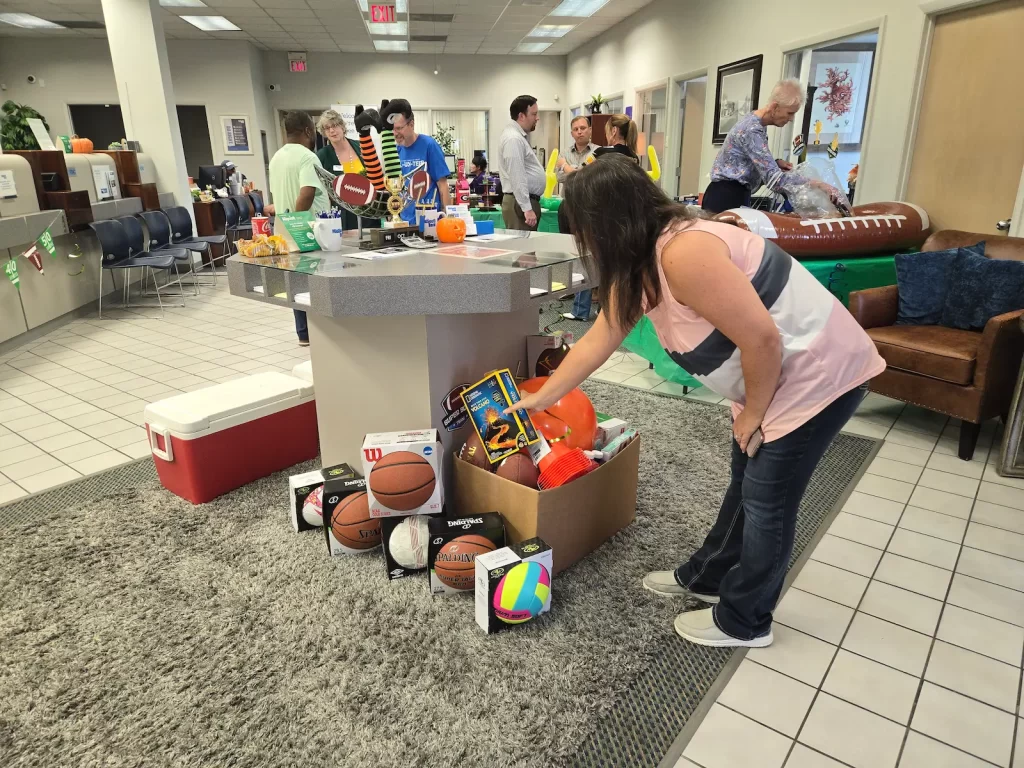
(299, 228)
(11, 270)
(45, 242)
(66, 141)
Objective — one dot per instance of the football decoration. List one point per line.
(354, 189)
(418, 183)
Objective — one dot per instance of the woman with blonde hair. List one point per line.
(622, 135)
(341, 155)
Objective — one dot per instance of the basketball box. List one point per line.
(486, 401)
(403, 470)
(348, 527)
(310, 484)
(574, 519)
(455, 543)
(546, 351)
(406, 544)
(513, 585)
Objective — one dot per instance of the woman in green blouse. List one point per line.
(341, 155)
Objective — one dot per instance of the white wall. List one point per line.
(80, 72)
(670, 38)
(466, 82)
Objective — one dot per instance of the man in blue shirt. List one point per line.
(415, 149)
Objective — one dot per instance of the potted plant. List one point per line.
(595, 104)
(444, 135)
(14, 131)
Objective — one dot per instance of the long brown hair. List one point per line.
(626, 128)
(616, 213)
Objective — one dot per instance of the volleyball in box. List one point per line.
(403, 472)
(513, 585)
(455, 543)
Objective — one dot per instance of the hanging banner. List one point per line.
(45, 241)
(11, 270)
(33, 255)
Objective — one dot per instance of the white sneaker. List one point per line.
(664, 583)
(699, 627)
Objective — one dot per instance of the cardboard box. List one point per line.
(420, 449)
(406, 545)
(574, 519)
(546, 351)
(492, 567)
(308, 487)
(336, 493)
(454, 544)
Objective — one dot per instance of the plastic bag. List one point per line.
(814, 202)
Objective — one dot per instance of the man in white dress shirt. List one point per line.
(522, 176)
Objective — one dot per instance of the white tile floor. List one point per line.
(901, 641)
(71, 403)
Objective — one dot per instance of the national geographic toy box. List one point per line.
(455, 543)
(348, 527)
(404, 473)
(406, 544)
(305, 492)
(501, 434)
(505, 596)
(574, 519)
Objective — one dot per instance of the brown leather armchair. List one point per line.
(968, 375)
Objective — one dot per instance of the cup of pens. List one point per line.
(327, 229)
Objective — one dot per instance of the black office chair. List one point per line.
(257, 202)
(183, 235)
(137, 247)
(159, 227)
(116, 253)
(244, 226)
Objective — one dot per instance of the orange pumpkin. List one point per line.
(451, 229)
(81, 146)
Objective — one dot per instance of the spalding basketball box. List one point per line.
(214, 440)
(455, 543)
(403, 472)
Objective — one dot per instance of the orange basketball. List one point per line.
(402, 481)
(352, 525)
(519, 468)
(455, 564)
(574, 410)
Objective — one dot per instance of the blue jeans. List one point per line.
(581, 305)
(746, 554)
(300, 325)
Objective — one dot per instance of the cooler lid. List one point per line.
(205, 408)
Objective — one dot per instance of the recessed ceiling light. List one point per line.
(211, 23)
(182, 3)
(391, 45)
(27, 21)
(578, 7)
(550, 30)
(401, 6)
(532, 47)
(399, 28)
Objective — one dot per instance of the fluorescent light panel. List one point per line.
(211, 23)
(550, 30)
(391, 45)
(398, 28)
(27, 21)
(401, 6)
(532, 47)
(579, 8)
(182, 3)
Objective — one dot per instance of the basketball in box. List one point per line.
(348, 527)
(403, 470)
(455, 543)
(216, 439)
(306, 496)
(574, 519)
(513, 585)
(406, 545)
(501, 434)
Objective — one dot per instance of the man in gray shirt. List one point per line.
(581, 149)
(522, 176)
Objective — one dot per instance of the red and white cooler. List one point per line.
(214, 440)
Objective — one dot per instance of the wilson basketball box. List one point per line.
(404, 473)
(574, 519)
(455, 543)
(348, 527)
(513, 585)
(214, 440)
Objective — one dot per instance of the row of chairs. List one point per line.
(171, 243)
(237, 214)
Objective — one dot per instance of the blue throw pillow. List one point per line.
(924, 281)
(980, 289)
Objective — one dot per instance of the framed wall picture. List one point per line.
(234, 129)
(736, 95)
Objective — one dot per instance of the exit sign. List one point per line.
(382, 14)
(296, 61)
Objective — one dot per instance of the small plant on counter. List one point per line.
(595, 104)
(14, 130)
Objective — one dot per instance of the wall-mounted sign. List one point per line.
(235, 130)
(382, 14)
(296, 61)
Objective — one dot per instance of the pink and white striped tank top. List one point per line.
(825, 353)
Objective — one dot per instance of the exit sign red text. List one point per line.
(382, 14)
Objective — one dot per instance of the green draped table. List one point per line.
(548, 219)
(840, 276)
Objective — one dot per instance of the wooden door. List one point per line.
(969, 148)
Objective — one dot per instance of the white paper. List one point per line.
(39, 131)
(100, 179)
(7, 189)
(537, 291)
(380, 253)
(577, 278)
(112, 184)
(492, 238)
(302, 298)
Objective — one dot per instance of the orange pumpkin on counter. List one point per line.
(451, 229)
(81, 146)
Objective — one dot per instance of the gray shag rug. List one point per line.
(140, 630)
